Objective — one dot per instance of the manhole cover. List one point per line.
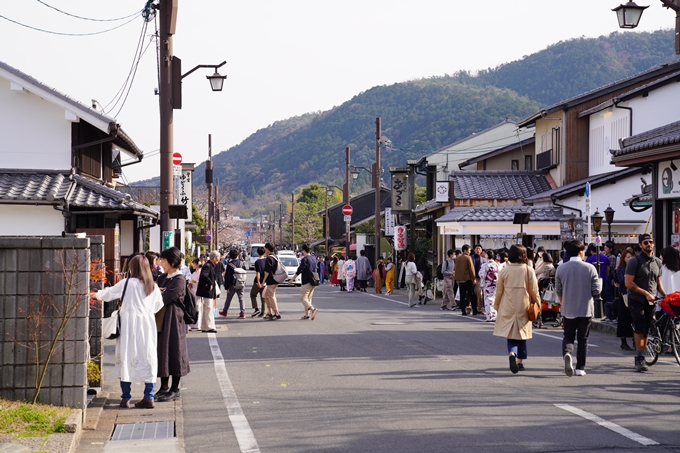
(388, 323)
(137, 431)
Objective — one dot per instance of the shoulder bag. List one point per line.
(534, 306)
(111, 325)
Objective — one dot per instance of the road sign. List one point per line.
(348, 218)
(347, 210)
(177, 170)
(176, 158)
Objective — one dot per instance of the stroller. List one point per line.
(550, 305)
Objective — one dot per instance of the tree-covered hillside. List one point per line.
(421, 116)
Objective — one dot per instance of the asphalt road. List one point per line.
(372, 375)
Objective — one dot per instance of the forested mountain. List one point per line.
(421, 116)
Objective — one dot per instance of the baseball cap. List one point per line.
(644, 237)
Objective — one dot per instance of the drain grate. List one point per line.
(138, 431)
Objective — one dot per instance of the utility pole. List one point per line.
(292, 221)
(280, 223)
(167, 11)
(209, 183)
(345, 199)
(376, 185)
(217, 213)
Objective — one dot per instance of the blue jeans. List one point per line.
(519, 347)
(149, 388)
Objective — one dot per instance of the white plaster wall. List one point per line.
(22, 220)
(614, 195)
(606, 128)
(544, 126)
(659, 108)
(476, 145)
(34, 133)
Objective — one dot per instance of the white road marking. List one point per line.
(559, 338)
(244, 435)
(387, 299)
(609, 425)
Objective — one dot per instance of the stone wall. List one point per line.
(41, 278)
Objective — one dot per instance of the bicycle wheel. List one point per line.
(654, 346)
(675, 340)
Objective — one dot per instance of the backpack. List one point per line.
(440, 274)
(671, 304)
(189, 308)
(239, 281)
(281, 273)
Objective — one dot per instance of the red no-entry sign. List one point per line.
(347, 210)
(176, 159)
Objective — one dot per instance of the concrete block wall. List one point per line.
(31, 270)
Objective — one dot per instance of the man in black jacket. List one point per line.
(229, 285)
(206, 291)
(270, 267)
(305, 269)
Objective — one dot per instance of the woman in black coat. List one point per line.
(173, 358)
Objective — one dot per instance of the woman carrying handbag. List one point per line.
(516, 288)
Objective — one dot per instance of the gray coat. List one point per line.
(364, 270)
(173, 357)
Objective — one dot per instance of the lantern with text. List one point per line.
(400, 238)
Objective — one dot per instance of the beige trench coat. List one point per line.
(512, 301)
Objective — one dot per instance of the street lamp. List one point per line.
(354, 171)
(597, 226)
(629, 14)
(609, 218)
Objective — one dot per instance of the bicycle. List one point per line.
(663, 332)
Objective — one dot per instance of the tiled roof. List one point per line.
(595, 181)
(51, 187)
(661, 136)
(498, 185)
(428, 205)
(504, 214)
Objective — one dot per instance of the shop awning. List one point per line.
(498, 221)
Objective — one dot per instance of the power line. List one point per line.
(65, 34)
(89, 18)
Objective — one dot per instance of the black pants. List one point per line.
(576, 327)
(467, 291)
(254, 291)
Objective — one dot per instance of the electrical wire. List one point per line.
(89, 18)
(65, 34)
(132, 81)
(116, 97)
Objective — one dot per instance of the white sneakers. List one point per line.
(568, 365)
(580, 372)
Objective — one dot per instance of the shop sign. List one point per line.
(669, 180)
(185, 192)
(400, 237)
(401, 196)
(389, 222)
(442, 192)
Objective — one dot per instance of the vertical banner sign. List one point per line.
(185, 192)
(400, 238)
(168, 239)
(442, 192)
(669, 180)
(588, 213)
(389, 222)
(401, 197)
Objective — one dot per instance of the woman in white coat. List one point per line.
(516, 285)
(136, 356)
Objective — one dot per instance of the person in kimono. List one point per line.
(488, 277)
(364, 271)
(349, 272)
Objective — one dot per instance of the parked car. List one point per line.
(291, 263)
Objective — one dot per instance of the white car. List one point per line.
(291, 264)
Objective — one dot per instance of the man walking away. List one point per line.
(576, 282)
(364, 271)
(206, 291)
(449, 299)
(465, 277)
(305, 269)
(271, 264)
(234, 282)
(643, 281)
(259, 278)
(322, 269)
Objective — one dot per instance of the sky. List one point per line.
(283, 58)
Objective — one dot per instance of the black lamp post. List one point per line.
(609, 218)
(629, 14)
(597, 226)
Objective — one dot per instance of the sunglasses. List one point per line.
(647, 242)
